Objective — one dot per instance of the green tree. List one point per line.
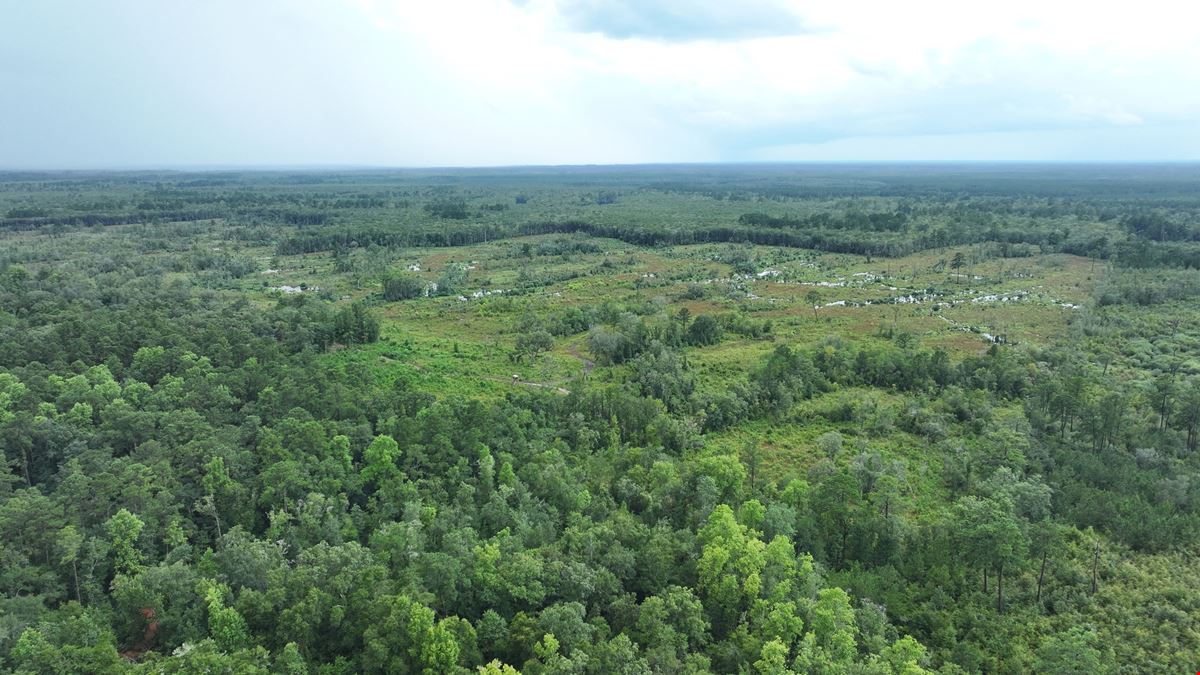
(290, 661)
(704, 330)
(381, 459)
(729, 570)
(69, 542)
(123, 529)
(402, 286)
(225, 625)
(813, 298)
(1073, 652)
(958, 262)
(11, 391)
(906, 656)
(830, 645)
(836, 502)
(532, 343)
(354, 324)
(773, 660)
(33, 653)
(407, 639)
(990, 538)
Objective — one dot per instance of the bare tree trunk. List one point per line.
(75, 573)
(1041, 576)
(1095, 567)
(1000, 589)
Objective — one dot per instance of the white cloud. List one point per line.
(1158, 143)
(1091, 108)
(681, 20)
(459, 82)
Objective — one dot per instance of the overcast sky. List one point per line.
(124, 83)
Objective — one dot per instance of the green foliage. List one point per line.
(704, 330)
(226, 627)
(380, 460)
(530, 344)
(355, 325)
(207, 475)
(402, 286)
(409, 640)
(1075, 651)
(123, 529)
(454, 209)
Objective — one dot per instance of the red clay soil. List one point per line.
(135, 652)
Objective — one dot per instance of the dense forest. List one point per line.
(765, 419)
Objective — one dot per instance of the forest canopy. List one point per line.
(761, 419)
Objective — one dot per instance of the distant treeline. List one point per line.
(1143, 254)
(455, 235)
(103, 219)
(819, 233)
(826, 234)
(1147, 218)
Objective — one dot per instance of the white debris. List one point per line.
(999, 298)
(270, 271)
(483, 294)
(294, 289)
(769, 273)
(836, 303)
(414, 268)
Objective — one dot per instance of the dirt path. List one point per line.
(528, 384)
(967, 329)
(588, 364)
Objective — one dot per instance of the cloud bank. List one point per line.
(496, 82)
(681, 20)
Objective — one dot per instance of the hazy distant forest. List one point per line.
(761, 419)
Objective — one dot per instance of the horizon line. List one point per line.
(349, 167)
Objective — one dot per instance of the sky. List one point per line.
(154, 83)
